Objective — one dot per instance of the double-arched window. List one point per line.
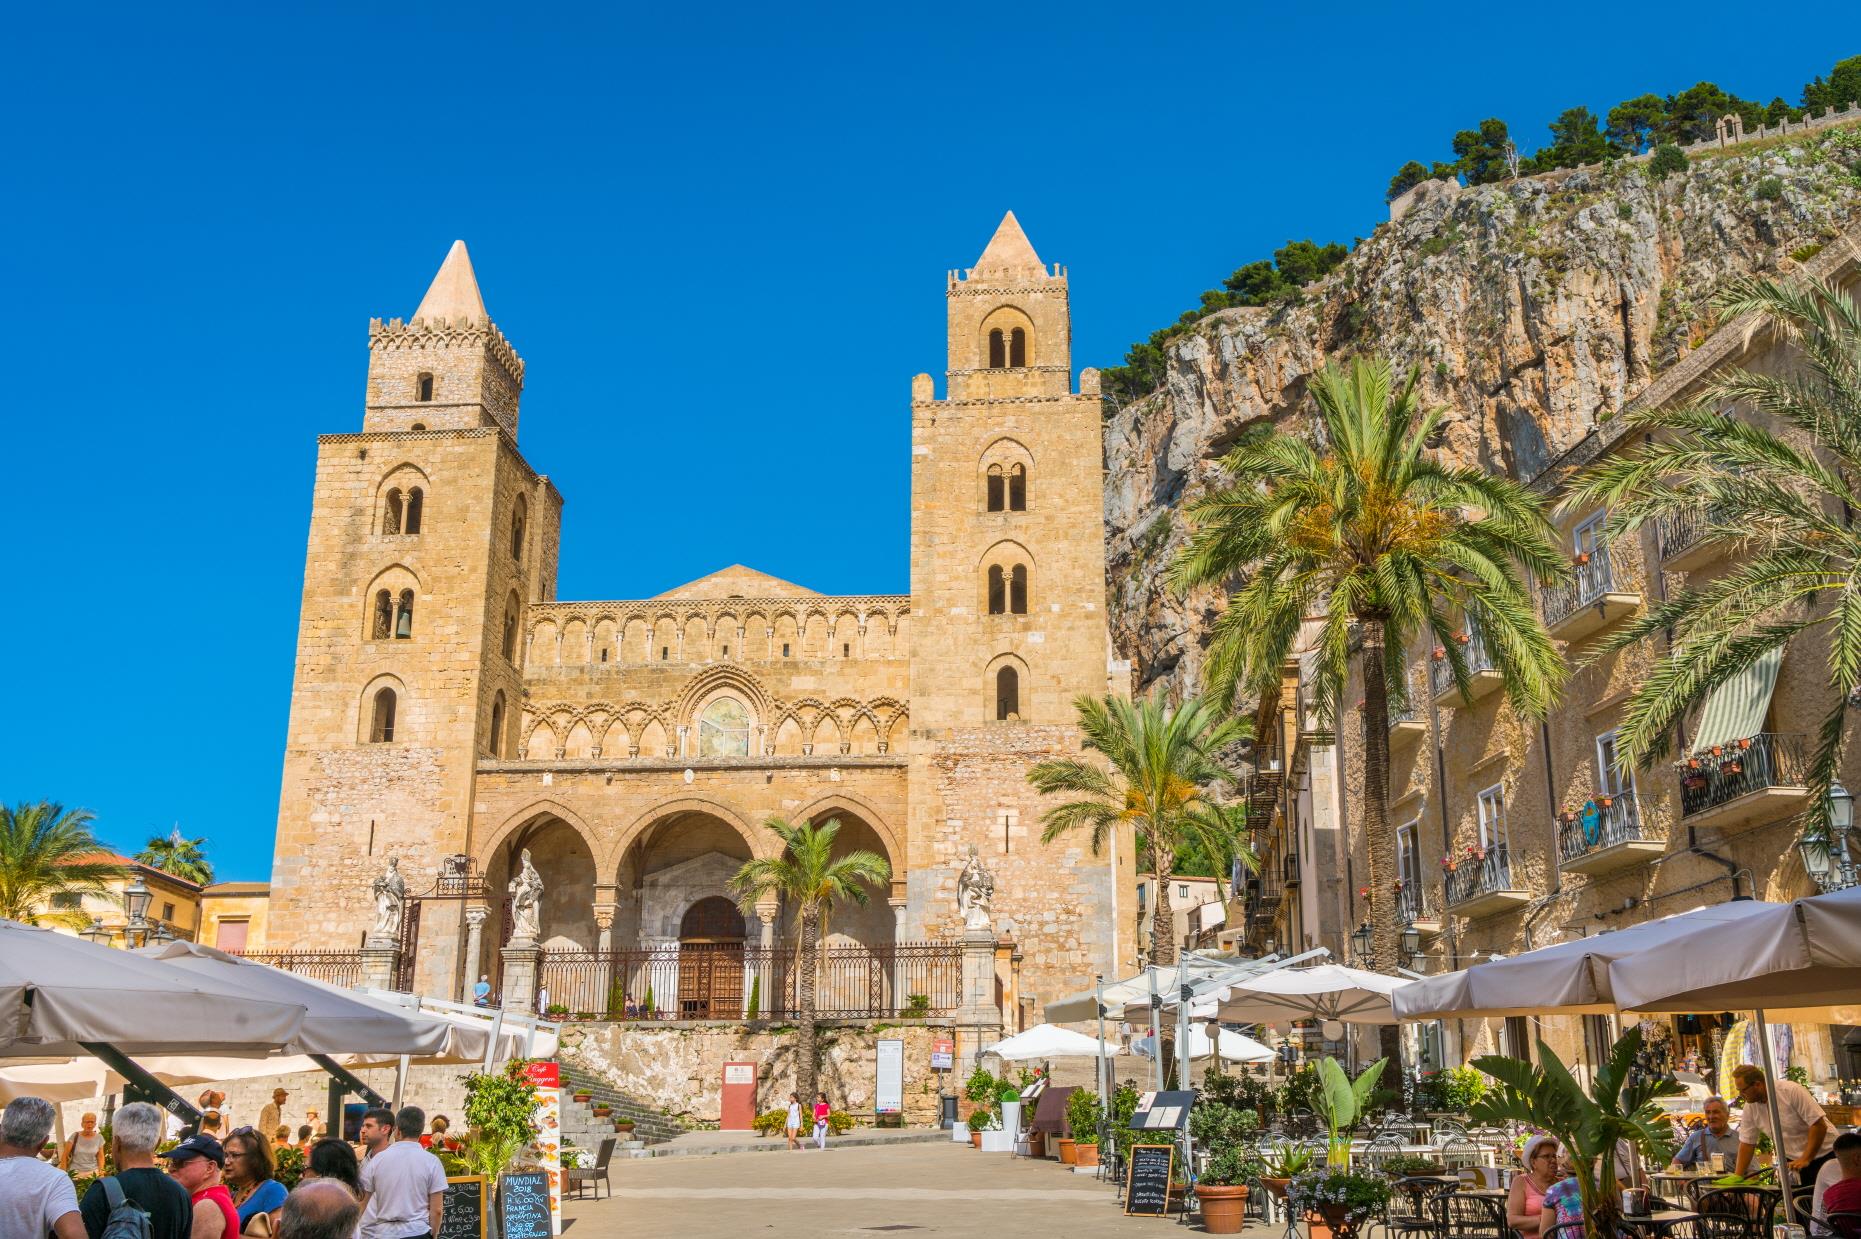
(393, 616)
(1007, 590)
(401, 510)
(1007, 349)
(1007, 488)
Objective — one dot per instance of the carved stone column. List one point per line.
(474, 944)
(979, 1019)
(899, 979)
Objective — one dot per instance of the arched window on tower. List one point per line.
(510, 631)
(997, 488)
(423, 388)
(404, 616)
(516, 528)
(383, 625)
(1017, 488)
(497, 724)
(998, 594)
(998, 350)
(391, 514)
(416, 501)
(381, 726)
(1017, 347)
(1007, 695)
(1017, 590)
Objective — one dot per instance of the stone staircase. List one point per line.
(580, 1125)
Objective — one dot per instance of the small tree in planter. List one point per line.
(500, 1108)
(1342, 1101)
(1082, 1118)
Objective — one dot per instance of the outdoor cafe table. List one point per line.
(1660, 1221)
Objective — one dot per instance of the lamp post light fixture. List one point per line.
(1360, 940)
(96, 932)
(136, 904)
(1826, 857)
(1411, 941)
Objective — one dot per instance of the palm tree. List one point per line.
(811, 879)
(184, 858)
(1164, 768)
(1787, 500)
(1385, 546)
(47, 851)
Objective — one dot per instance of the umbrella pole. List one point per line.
(1156, 1032)
(1098, 1001)
(1770, 1101)
(497, 1031)
(400, 1081)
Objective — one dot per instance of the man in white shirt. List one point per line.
(36, 1197)
(1805, 1127)
(403, 1185)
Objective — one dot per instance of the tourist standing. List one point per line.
(135, 1130)
(821, 1111)
(319, 1209)
(196, 1164)
(36, 1197)
(272, 1116)
(81, 1151)
(794, 1120)
(403, 1185)
(481, 992)
(249, 1176)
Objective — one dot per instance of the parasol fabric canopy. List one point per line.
(336, 1021)
(1048, 1041)
(1134, 991)
(1324, 992)
(1235, 1047)
(1578, 977)
(58, 991)
(1794, 961)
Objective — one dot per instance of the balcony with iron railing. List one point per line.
(1683, 539)
(1481, 883)
(1590, 600)
(1414, 908)
(1407, 718)
(1756, 779)
(1482, 676)
(1609, 832)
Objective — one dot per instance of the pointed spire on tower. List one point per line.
(1009, 252)
(454, 292)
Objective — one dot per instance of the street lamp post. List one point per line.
(136, 905)
(96, 932)
(1360, 941)
(1827, 858)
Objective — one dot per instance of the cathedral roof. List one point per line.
(1009, 252)
(454, 291)
(738, 581)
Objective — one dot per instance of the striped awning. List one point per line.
(1737, 707)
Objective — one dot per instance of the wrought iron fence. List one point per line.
(1413, 904)
(1769, 759)
(337, 967)
(1616, 819)
(1680, 532)
(725, 981)
(1441, 671)
(1479, 876)
(1589, 581)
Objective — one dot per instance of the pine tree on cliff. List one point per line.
(811, 880)
(1387, 547)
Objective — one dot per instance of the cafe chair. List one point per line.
(1734, 1213)
(1460, 1216)
(597, 1173)
(1836, 1226)
(1412, 1206)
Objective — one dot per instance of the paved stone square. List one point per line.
(941, 1190)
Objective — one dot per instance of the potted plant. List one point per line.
(602, 1109)
(1343, 1198)
(1342, 1102)
(1222, 1189)
(1282, 1166)
(1082, 1119)
(1408, 1166)
(556, 1008)
(624, 1126)
(582, 1095)
(979, 1120)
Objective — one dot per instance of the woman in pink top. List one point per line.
(821, 1111)
(1525, 1202)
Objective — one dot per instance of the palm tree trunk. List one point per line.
(1379, 844)
(807, 1069)
(1162, 927)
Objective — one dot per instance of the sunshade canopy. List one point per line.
(1235, 1047)
(58, 991)
(1576, 977)
(1324, 992)
(1048, 1041)
(1134, 991)
(1736, 708)
(1798, 960)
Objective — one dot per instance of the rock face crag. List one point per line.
(1533, 309)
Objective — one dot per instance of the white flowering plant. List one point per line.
(1359, 1195)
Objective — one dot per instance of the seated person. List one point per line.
(1843, 1194)
(1703, 1143)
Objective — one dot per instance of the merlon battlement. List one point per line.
(464, 332)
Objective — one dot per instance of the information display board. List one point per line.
(890, 1094)
(943, 1053)
(462, 1209)
(1165, 1111)
(523, 1205)
(1147, 1189)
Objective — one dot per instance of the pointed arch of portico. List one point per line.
(760, 842)
(536, 810)
(820, 810)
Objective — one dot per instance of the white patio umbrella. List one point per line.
(1323, 992)
(59, 993)
(1577, 977)
(1049, 1041)
(1232, 1047)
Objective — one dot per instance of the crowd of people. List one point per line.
(214, 1187)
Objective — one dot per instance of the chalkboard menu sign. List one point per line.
(523, 1204)
(462, 1209)
(1147, 1190)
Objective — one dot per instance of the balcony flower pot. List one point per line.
(624, 1126)
(1069, 1151)
(1440, 652)
(583, 1097)
(1718, 750)
(1731, 766)
(1224, 1208)
(603, 1110)
(1086, 1154)
(1580, 558)
(1745, 743)
(1607, 802)
(1692, 763)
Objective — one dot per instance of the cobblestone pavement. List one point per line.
(931, 1190)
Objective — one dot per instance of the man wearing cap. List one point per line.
(196, 1164)
(271, 1118)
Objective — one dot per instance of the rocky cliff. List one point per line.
(1533, 308)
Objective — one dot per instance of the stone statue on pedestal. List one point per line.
(390, 891)
(526, 901)
(975, 891)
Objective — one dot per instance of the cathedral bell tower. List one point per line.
(446, 368)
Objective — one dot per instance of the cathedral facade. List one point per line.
(451, 712)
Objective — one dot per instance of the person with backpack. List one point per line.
(135, 1130)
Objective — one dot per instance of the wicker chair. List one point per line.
(1471, 1217)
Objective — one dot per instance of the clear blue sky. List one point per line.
(718, 235)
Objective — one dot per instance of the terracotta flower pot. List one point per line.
(1069, 1151)
(1037, 1144)
(1224, 1209)
(1276, 1188)
(975, 1139)
(1087, 1154)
